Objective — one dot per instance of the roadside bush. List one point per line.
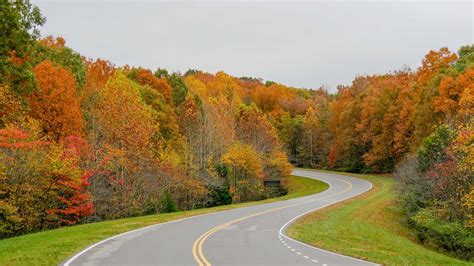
(220, 195)
(273, 192)
(447, 236)
(167, 204)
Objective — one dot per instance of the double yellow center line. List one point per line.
(198, 254)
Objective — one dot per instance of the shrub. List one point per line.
(167, 204)
(220, 195)
(448, 236)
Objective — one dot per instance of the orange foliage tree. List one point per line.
(56, 104)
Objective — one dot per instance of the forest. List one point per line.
(83, 140)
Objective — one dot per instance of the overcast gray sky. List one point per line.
(304, 44)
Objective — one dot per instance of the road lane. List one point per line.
(245, 236)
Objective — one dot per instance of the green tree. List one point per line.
(290, 132)
(18, 32)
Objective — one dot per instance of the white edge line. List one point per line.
(283, 228)
(77, 255)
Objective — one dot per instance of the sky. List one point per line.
(302, 44)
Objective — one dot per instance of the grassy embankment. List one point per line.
(369, 227)
(53, 246)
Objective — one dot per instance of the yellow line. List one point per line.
(198, 254)
(196, 258)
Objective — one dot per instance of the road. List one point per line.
(245, 236)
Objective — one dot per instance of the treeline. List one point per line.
(373, 124)
(83, 140)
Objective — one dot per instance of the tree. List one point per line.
(179, 89)
(56, 103)
(146, 77)
(290, 133)
(428, 77)
(277, 167)
(450, 92)
(246, 172)
(346, 150)
(379, 116)
(55, 50)
(124, 168)
(434, 62)
(97, 75)
(127, 127)
(254, 129)
(208, 121)
(19, 31)
(315, 148)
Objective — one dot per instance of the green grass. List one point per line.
(369, 227)
(53, 246)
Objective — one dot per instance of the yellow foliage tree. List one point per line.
(245, 172)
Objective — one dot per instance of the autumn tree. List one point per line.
(428, 78)
(179, 89)
(450, 92)
(346, 149)
(55, 50)
(379, 116)
(98, 73)
(315, 140)
(208, 122)
(146, 77)
(56, 103)
(124, 163)
(253, 128)
(277, 167)
(246, 172)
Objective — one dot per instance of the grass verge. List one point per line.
(53, 246)
(370, 227)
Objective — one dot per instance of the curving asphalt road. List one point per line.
(245, 236)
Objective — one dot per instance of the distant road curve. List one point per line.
(245, 236)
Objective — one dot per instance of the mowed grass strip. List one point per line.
(369, 227)
(54, 246)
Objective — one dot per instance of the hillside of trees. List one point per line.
(83, 140)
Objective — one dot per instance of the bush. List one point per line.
(448, 236)
(220, 195)
(167, 204)
(273, 192)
